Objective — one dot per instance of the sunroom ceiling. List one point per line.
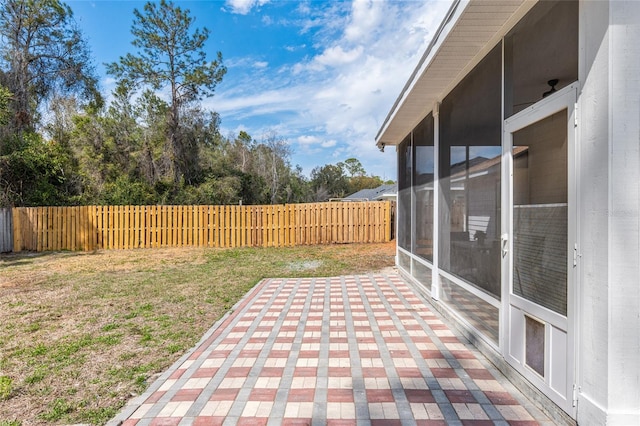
(470, 28)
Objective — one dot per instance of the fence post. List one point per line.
(17, 230)
(6, 230)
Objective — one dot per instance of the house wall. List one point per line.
(609, 182)
(607, 299)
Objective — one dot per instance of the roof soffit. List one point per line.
(474, 27)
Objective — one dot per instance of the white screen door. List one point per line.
(538, 240)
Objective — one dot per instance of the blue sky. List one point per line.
(321, 74)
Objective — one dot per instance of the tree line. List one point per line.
(62, 143)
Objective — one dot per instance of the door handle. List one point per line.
(504, 238)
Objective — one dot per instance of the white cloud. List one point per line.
(336, 56)
(243, 7)
(365, 20)
(276, 100)
(307, 140)
(365, 55)
(109, 81)
(245, 62)
(303, 8)
(294, 48)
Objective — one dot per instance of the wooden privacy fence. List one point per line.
(126, 227)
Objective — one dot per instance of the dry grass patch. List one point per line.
(81, 333)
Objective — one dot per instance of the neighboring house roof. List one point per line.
(379, 193)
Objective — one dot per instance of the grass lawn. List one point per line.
(81, 333)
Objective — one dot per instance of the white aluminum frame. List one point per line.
(564, 99)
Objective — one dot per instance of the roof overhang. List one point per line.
(470, 29)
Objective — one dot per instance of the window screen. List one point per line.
(423, 177)
(469, 164)
(404, 193)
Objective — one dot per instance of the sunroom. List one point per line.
(498, 130)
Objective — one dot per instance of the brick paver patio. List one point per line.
(354, 350)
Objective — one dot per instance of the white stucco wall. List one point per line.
(609, 182)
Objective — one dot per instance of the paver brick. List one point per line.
(330, 351)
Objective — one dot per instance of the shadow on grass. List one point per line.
(28, 257)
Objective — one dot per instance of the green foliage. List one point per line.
(5, 107)
(58, 410)
(38, 350)
(162, 31)
(329, 181)
(96, 416)
(220, 190)
(124, 191)
(353, 167)
(36, 377)
(45, 54)
(357, 183)
(171, 55)
(34, 172)
(6, 387)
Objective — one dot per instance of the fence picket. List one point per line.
(80, 229)
(210, 222)
(40, 238)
